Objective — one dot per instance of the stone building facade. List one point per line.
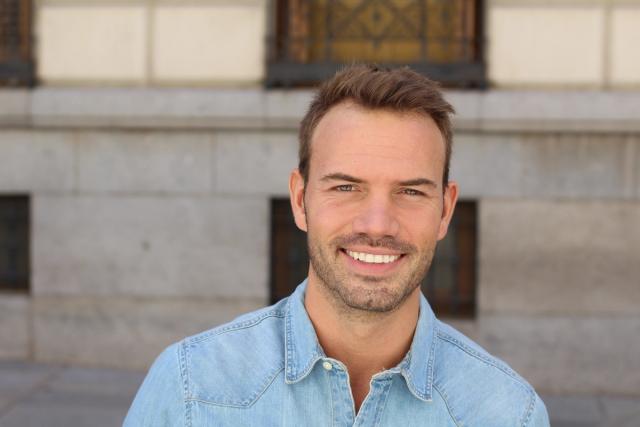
(150, 150)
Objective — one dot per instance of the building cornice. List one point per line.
(169, 108)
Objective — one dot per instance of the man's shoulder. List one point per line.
(256, 322)
(252, 343)
(478, 388)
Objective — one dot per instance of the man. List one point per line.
(356, 343)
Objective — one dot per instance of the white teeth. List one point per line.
(371, 258)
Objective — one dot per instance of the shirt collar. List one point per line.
(302, 349)
(417, 366)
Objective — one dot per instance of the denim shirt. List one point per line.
(266, 368)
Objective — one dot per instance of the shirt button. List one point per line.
(327, 365)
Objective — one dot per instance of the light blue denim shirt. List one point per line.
(267, 368)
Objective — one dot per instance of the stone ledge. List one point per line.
(494, 110)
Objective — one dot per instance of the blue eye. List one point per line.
(344, 187)
(412, 192)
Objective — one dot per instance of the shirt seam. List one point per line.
(235, 327)
(530, 409)
(184, 376)
(485, 359)
(241, 405)
(446, 404)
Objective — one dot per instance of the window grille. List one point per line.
(313, 38)
(16, 67)
(14, 243)
(450, 285)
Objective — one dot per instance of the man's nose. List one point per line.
(377, 218)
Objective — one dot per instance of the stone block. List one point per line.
(520, 53)
(286, 107)
(14, 105)
(124, 332)
(148, 108)
(517, 111)
(14, 327)
(201, 42)
(150, 246)
(130, 162)
(577, 166)
(487, 166)
(545, 166)
(559, 257)
(91, 42)
(625, 33)
(633, 168)
(255, 163)
(568, 354)
(32, 161)
(556, 110)
(467, 105)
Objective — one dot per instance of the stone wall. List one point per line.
(150, 221)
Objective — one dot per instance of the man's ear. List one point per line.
(448, 206)
(296, 196)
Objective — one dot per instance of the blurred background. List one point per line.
(145, 147)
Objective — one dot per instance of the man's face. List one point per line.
(373, 206)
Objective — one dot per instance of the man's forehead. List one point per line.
(352, 107)
(349, 124)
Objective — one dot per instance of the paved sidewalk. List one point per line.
(37, 395)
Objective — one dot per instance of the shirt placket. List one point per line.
(373, 405)
(341, 397)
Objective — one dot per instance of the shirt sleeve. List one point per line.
(539, 416)
(160, 399)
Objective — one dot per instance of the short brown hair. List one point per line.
(370, 86)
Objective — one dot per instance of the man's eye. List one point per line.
(344, 187)
(412, 192)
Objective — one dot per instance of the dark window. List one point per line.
(449, 286)
(313, 38)
(14, 243)
(16, 65)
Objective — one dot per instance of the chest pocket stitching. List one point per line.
(240, 403)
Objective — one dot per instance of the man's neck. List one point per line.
(366, 342)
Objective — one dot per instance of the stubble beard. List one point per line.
(367, 294)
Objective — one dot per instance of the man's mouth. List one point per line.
(372, 258)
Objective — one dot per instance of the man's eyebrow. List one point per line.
(341, 177)
(408, 183)
(418, 182)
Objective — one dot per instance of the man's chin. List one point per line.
(373, 303)
(370, 294)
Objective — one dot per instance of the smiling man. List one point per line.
(356, 343)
